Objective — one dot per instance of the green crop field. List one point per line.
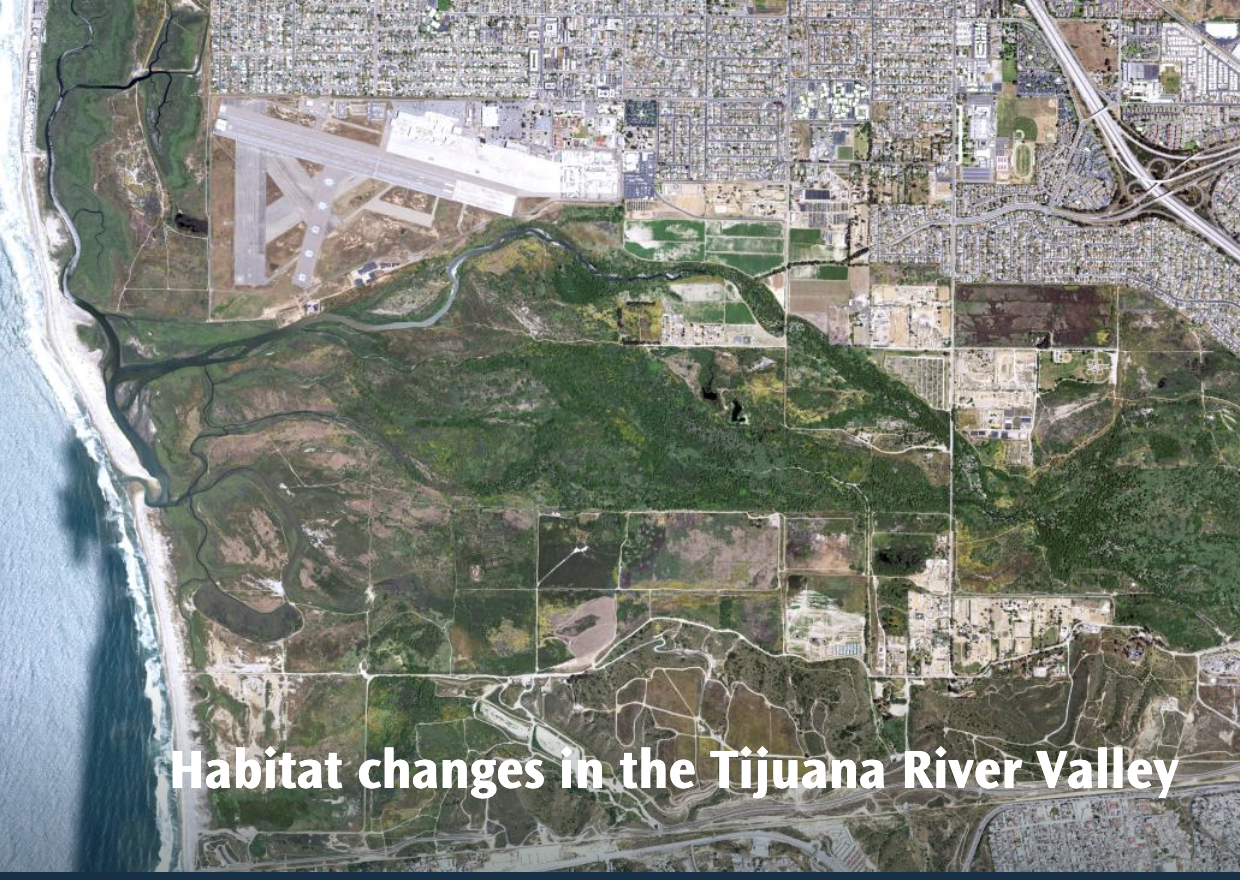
(752, 247)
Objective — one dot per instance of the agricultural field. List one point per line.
(825, 302)
(997, 315)
(752, 247)
(808, 244)
(696, 552)
(1131, 495)
(584, 477)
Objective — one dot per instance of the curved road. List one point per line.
(967, 863)
(1117, 139)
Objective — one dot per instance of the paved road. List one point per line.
(1117, 139)
(978, 835)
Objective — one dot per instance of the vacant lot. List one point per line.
(1093, 44)
(825, 544)
(1016, 314)
(1203, 10)
(700, 551)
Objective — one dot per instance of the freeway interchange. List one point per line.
(1117, 140)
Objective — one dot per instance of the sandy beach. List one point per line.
(81, 367)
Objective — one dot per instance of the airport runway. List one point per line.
(271, 135)
(249, 213)
(318, 221)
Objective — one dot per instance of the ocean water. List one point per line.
(82, 721)
(77, 777)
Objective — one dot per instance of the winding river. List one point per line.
(124, 381)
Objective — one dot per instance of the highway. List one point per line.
(1117, 139)
(979, 833)
(271, 135)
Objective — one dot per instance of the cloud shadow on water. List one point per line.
(118, 829)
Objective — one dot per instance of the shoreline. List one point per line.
(81, 367)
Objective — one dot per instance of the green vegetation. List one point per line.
(174, 123)
(1024, 159)
(608, 426)
(152, 340)
(574, 284)
(831, 272)
(82, 126)
(1180, 625)
(737, 313)
(493, 632)
(592, 213)
(118, 142)
(173, 109)
(107, 61)
(862, 138)
(892, 594)
(901, 553)
(1149, 501)
(495, 549)
(1169, 78)
(753, 247)
(834, 386)
(1008, 56)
